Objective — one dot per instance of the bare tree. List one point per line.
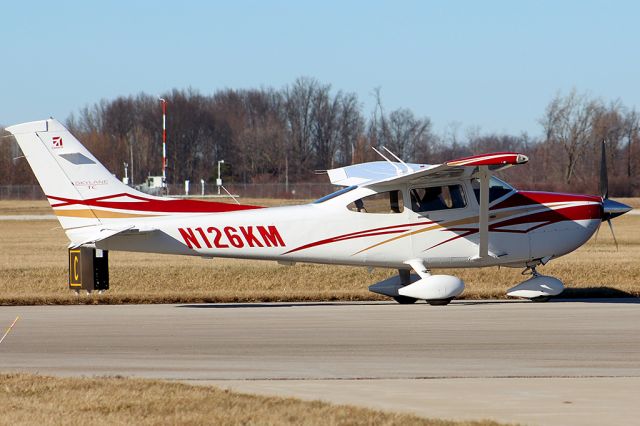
(400, 131)
(269, 135)
(568, 123)
(325, 127)
(631, 129)
(351, 128)
(298, 106)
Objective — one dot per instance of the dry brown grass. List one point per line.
(29, 399)
(13, 207)
(632, 202)
(33, 262)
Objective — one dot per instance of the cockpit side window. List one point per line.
(437, 198)
(497, 188)
(382, 202)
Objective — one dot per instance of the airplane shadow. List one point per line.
(470, 302)
(570, 295)
(601, 294)
(279, 304)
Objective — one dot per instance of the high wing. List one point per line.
(385, 172)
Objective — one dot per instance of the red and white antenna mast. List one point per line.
(164, 144)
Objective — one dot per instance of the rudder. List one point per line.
(67, 172)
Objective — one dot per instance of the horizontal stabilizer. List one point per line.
(104, 233)
(390, 286)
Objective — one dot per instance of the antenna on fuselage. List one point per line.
(409, 169)
(398, 171)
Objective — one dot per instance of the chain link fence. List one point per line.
(21, 192)
(243, 190)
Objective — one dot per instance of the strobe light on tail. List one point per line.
(388, 214)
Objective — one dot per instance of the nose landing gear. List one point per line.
(538, 288)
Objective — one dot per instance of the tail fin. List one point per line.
(67, 172)
(84, 195)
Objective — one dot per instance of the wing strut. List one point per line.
(483, 226)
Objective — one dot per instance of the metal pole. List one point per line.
(131, 155)
(219, 180)
(126, 174)
(483, 222)
(164, 143)
(286, 174)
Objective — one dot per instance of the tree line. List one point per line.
(283, 135)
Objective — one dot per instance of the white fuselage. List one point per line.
(328, 232)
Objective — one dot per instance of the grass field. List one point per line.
(33, 266)
(29, 399)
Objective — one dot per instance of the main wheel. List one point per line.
(439, 302)
(405, 300)
(540, 299)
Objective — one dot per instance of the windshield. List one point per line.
(335, 194)
(497, 188)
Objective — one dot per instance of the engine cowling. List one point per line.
(538, 286)
(434, 287)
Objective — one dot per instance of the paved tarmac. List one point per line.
(535, 363)
(28, 217)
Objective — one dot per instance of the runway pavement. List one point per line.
(28, 217)
(536, 363)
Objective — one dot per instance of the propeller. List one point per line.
(610, 208)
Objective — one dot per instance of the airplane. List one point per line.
(387, 214)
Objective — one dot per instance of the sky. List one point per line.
(491, 66)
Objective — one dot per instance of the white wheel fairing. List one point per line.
(538, 286)
(434, 287)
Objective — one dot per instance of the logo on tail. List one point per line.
(57, 141)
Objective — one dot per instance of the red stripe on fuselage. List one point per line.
(154, 205)
(528, 198)
(540, 219)
(548, 217)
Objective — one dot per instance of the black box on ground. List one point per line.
(88, 269)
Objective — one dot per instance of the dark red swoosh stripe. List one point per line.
(393, 229)
(527, 198)
(545, 218)
(154, 205)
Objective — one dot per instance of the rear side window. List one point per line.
(383, 202)
(437, 198)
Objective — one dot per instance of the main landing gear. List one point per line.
(439, 290)
(406, 288)
(405, 300)
(405, 279)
